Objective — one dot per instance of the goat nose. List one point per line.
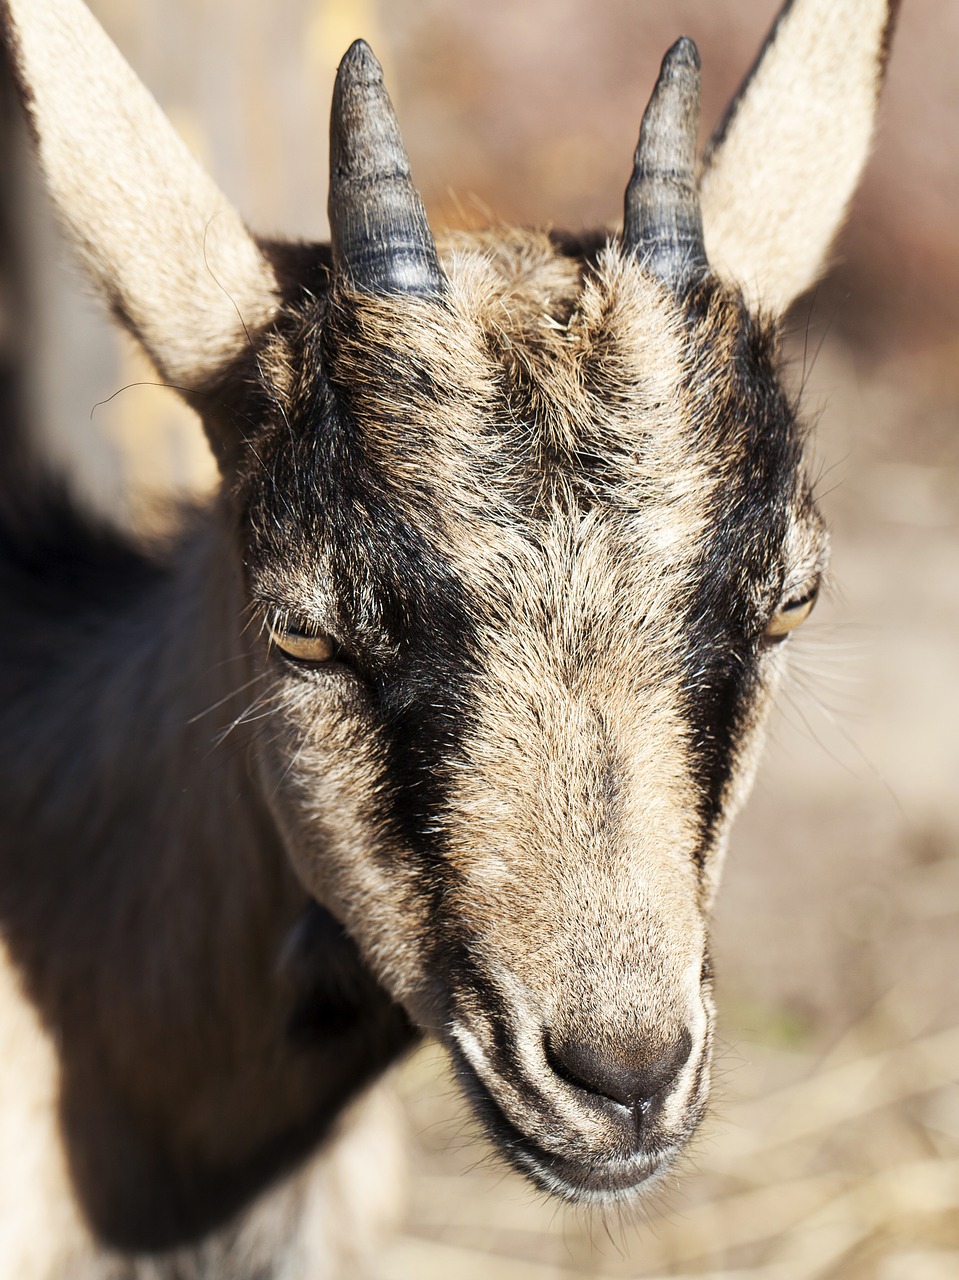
(630, 1076)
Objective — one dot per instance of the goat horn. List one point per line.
(381, 239)
(663, 224)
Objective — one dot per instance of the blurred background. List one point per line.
(833, 1148)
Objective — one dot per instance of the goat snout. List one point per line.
(589, 1116)
(635, 1077)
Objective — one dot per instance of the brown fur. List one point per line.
(542, 522)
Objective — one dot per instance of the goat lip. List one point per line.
(592, 1182)
(585, 1179)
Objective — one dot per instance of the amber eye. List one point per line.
(788, 616)
(299, 643)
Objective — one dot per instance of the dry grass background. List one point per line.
(833, 1150)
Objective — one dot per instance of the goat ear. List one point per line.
(165, 247)
(786, 159)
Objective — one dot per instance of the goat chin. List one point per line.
(571, 1169)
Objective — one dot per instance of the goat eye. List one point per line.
(301, 644)
(788, 616)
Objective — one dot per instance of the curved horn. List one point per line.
(663, 224)
(380, 237)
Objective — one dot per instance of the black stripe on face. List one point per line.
(403, 616)
(755, 443)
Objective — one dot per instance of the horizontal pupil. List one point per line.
(302, 642)
(788, 616)
(799, 604)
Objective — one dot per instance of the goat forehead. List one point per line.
(520, 382)
(553, 426)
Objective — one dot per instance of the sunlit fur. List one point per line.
(566, 505)
(543, 520)
(823, 59)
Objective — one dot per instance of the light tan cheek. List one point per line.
(325, 804)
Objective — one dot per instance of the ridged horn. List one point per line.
(381, 239)
(663, 225)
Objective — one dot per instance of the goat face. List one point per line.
(537, 532)
(525, 524)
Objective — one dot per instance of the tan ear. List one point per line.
(783, 165)
(165, 247)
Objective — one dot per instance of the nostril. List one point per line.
(586, 1067)
(659, 1074)
(632, 1075)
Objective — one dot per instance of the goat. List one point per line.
(449, 697)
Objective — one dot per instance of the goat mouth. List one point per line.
(582, 1180)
